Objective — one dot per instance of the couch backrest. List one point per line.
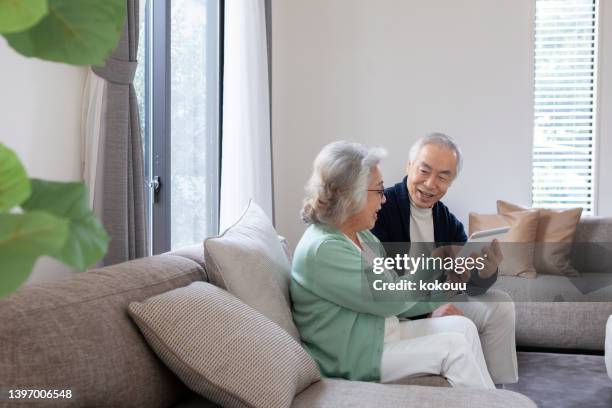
(76, 334)
(592, 249)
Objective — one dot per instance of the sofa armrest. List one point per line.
(608, 347)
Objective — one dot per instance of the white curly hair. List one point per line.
(339, 182)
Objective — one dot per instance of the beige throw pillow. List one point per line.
(223, 349)
(554, 238)
(518, 246)
(249, 261)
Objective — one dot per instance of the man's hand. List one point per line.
(447, 310)
(454, 277)
(492, 258)
(446, 251)
(451, 251)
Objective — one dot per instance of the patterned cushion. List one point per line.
(248, 261)
(223, 349)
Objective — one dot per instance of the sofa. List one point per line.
(76, 334)
(558, 312)
(608, 347)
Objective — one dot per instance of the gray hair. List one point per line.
(339, 182)
(438, 139)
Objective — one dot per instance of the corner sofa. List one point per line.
(559, 312)
(76, 334)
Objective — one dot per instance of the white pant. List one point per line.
(493, 314)
(446, 345)
(451, 345)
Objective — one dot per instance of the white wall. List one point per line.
(604, 146)
(40, 108)
(386, 72)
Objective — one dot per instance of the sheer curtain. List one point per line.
(92, 131)
(246, 163)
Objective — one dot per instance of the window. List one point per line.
(178, 89)
(565, 97)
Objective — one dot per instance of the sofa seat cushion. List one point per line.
(560, 312)
(568, 325)
(333, 393)
(588, 287)
(425, 380)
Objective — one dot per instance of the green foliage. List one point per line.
(23, 238)
(17, 15)
(55, 220)
(14, 183)
(87, 241)
(82, 32)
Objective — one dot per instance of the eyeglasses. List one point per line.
(381, 193)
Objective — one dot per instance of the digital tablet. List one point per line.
(482, 239)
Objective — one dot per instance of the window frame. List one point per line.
(595, 121)
(158, 140)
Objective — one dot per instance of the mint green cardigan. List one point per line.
(341, 322)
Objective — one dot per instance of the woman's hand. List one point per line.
(447, 310)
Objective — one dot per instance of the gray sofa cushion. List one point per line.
(76, 334)
(428, 380)
(560, 312)
(249, 261)
(335, 393)
(331, 393)
(195, 253)
(592, 249)
(588, 287)
(574, 325)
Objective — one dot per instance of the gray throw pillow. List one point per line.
(249, 261)
(223, 349)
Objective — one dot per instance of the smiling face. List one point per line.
(365, 219)
(430, 174)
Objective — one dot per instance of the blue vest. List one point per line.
(393, 225)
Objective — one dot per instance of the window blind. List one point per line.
(564, 116)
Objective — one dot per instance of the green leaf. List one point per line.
(87, 240)
(82, 32)
(23, 238)
(14, 182)
(17, 15)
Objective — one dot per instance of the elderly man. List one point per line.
(414, 213)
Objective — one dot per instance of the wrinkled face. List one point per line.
(366, 218)
(430, 174)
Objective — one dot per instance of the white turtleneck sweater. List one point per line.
(421, 225)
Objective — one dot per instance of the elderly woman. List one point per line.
(349, 332)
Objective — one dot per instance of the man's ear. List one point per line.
(408, 166)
